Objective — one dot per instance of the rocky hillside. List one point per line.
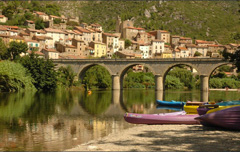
(207, 20)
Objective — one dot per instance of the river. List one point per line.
(63, 119)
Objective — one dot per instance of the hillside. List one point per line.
(207, 20)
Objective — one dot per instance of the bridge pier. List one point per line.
(115, 82)
(159, 82)
(204, 82)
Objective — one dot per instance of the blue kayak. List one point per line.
(170, 103)
(228, 103)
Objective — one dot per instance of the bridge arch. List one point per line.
(123, 71)
(83, 69)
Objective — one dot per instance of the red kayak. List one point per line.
(162, 118)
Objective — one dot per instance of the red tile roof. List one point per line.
(182, 48)
(29, 21)
(54, 30)
(157, 40)
(136, 28)
(2, 16)
(204, 42)
(79, 28)
(51, 50)
(109, 34)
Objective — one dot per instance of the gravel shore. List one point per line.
(166, 138)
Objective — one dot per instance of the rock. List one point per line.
(153, 9)
(92, 147)
(147, 13)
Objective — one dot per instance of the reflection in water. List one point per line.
(63, 119)
(204, 96)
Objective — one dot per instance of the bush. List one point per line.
(14, 77)
(172, 82)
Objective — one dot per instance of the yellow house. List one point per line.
(99, 49)
(16, 38)
(167, 54)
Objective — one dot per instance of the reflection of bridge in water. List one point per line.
(118, 108)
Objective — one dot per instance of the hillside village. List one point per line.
(55, 41)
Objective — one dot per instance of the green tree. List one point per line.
(57, 21)
(225, 68)
(98, 77)
(197, 54)
(16, 48)
(14, 77)
(39, 24)
(173, 82)
(127, 43)
(42, 71)
(3, 50)
(66, 76)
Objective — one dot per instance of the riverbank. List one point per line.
(225, 89)
(166, 138)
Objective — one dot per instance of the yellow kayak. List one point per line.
(192, 109)
(220, 108)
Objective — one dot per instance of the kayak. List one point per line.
(228, 103)
(162, 118)
(226, 117)
(170, 103)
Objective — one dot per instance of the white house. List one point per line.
(144, 48)
(3, 19)
(157, 47)
(50, 53)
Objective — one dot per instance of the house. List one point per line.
(176, 53)
(32, 44)
(44, 42)
(157, 48)
(86, 34)
(80, 44)
(121, 44)
(111, 42)
(99, 48)
(128, 54)
(96, 26)
(16, 39)
(142, 36)
(184, 52)
(144, 49)
(25, 35)
(89, 51)
(3, 19)
(13, 32)
(215, 50)
(131, 32)
(174, 40)
(50, 53)
(55, 34)
(167, 54)
(192, 48)
(29, 24)
(161, 35)
(204, 43)
(78, 35)
(186, 39)
(41, 15)
(3, 30)
(96, 35)
(34, 32)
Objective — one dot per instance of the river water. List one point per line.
(63, 119)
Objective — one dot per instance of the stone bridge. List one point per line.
(159, 67)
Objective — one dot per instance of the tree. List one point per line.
(127, 43)
(57, 21)
(197, 54)
(3, 49)
(39, 24)
(42, 71)
(16, 48)
(66, 76)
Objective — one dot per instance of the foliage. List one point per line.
(16, 48)
(184, 75)
(139, 80)
(173, 82)
(57, 21)
(39, 24)
(224, 82)
(224, 68)
(197, 54)
(72, 23)
(14, 77)
(42, 71)
(127, 43)
(3, 49)
(220, 75)
(97, 76)
(66, 76)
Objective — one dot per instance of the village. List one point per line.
(85, 41)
